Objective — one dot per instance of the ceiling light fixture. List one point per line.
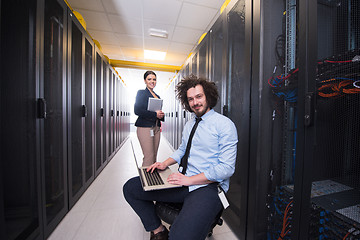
(154, 55)
(158, 33)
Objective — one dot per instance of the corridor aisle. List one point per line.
(102, 212)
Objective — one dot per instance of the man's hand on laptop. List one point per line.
(161, 165)
(179, 179)
(157, 165)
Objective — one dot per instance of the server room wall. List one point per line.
(66, 115)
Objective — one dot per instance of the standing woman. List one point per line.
(148, 122)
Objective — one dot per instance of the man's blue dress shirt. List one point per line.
(213, 149)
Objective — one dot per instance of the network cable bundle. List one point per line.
(280, 216)
(335, 213)
(285, 86)
(325, 224)
(339, 75)
(335, 197)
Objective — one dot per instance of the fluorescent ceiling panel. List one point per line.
(154, 55)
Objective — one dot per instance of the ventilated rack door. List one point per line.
(335, 193)
(54, 143)
(99, 113)
(89, 132)
(19, 136)
(238, 88)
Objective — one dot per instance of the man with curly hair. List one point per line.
(210, 164)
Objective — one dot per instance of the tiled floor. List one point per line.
(102, 212)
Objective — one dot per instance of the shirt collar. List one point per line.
(208, 114)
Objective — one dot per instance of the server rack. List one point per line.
(170, 118)
(239, 103)
(99, 111)
(332, 75)
(124, 131)
(173, 115)
(80, 104)
(107, 102)
(187, 68)
(203, 57)
(194, 64)
(178, 118)
(89, 129)
(111, 111)
(166, 126)
(117, 112)
(291, 87)
(181, 113)
(105, 111)
(46, 162)
(53, 110)
(19, 207)
(217, 60)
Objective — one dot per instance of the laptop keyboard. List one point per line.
(153, 178)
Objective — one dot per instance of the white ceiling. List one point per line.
(122, 26)
(122, 29)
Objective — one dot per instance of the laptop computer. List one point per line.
(153, 181)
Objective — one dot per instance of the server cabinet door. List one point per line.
(177, 119)
(203, 49)
(194, 64)
(113, 113)
(118, 119)
(106, 111)
(332, 149)
(217, 60)
(122, 120)
(99, 111)
(111, 105)
(187, 69)
(89, 136)
(76, 112)
(19, 136)
(54, 130)
(279, 105)
(238, 101)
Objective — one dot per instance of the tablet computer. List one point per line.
(155, 104)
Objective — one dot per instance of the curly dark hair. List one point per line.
(210, 90)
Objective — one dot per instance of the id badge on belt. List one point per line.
(151, 132)
(222, 197)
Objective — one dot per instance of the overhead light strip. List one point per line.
(142, 65)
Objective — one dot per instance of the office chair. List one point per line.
(169, 211)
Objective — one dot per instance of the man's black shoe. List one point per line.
(164, 235)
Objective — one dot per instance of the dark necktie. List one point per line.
(184, 159)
